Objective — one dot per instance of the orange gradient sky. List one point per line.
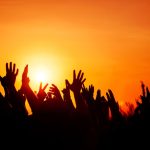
(108, 39)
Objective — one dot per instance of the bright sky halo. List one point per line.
(41, 76)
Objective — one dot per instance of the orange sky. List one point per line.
(108, 39)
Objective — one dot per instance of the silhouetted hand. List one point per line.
(67, 97)
(25, 78)
(76, 87)
(55, 91)
(85, 92)
(8, 81)
(66, 91)
(98, 95)
(102, 108)
(99, 98)
(88, 93)
(114, 106)
(41, 93)
(145, 97)
(111, 100)
(77, 82)
(28, 92)
(143, 106)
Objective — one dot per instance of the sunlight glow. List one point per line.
(41, 76)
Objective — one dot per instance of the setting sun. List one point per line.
(41, 76)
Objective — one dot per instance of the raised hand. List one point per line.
(91, 90)
(25, 78)
(9, 79)
(55, 92)
(145, 97)
(111, 98)
(76, 87)
(88, 93)
(67, 97)
(27, 91)
(41, 93)
(102, 108)
(77, 82)
(114, 106)
(98, 95)
(66, 91)
(85, 92)
(143, 106)
(111, 101)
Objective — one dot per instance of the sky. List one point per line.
(108, 39)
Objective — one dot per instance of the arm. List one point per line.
(76, 87)
(25, 88)
(8, 81)
(67, 97)
(114, 106)
(13, 96)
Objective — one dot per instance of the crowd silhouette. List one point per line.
(95, 123)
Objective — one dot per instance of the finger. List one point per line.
(78, 77)
(25, 72)
(92, 88)
(89, 87)
(45, 87)
(10, 66)
(7, 70)
(83, 86)
(26, 69)
(83, 81)
(14, 66)
(67, 83)
(17, 72)
(147, 91)
(143, 88)
(40, 87)
(52, 89)
(81, 76)
(111, 95)
(99, 91)
(108, 97)
(74, 75)
(54, 86)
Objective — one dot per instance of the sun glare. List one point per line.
(41, 76)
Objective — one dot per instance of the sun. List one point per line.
(41, 76)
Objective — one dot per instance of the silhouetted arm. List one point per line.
(143, 106)
(67, 97)
(8, 81)
(114, 106)
(102, 108)
(14, 97)
(76, 87)
(31, 97)
(88, 94)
